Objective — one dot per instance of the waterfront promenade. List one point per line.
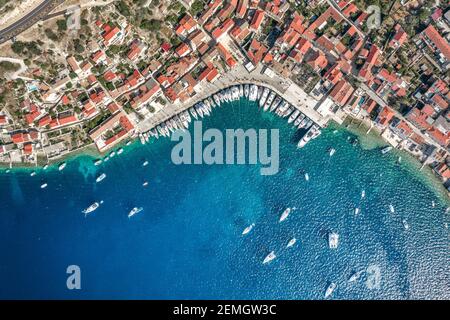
(239, 75)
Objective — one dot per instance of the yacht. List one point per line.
(216, 99)
(405, 224)
(98, 162)
(269, 101)
(311, 134)
(145, 163)
(145, 184)
(433, 204)
(199, 110)
(285, 214)
(260, 92)
(293, 116)
(120, 151)
(100, 177)
(45, 167)
(306, 176)
(248, 229)
(391, 208)
(246, 90)
(91, 208)
(330, 289)
(288, 111)
(363, 194)
(253, 95)
(275, 103)
(291, 242)
(33, 173)
(269, 257)
(211, 102)
(134, 211)
(303, 123)
(355, 276)
(332, 151)
(62, 166)
(113, 153)
(44, 185)
(193, 113)
(386, 149)
(299, 119)
(235, 93)
(333, 240)
(264, 96)
(356, 211)
(241, 90)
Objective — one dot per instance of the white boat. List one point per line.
(45, 167)
(145, 163)
(216, 100)
(44, 185)
(332, 151)
(285, 214)
(355, 276)
(264, 96)
(113, 153)
(293, 116)
(275, 104)
(363, 194)
(62, 166)
(248, 229)
(120, 151)
(391, 208)
(299, 119)
(405, 224)
(91, 208)
(100, 177)
(269, 257)
(253, 95)
(241, 90)
(306, 176)
(311, 134)
(246, 90)
(134, 211)
(291, 242)
(386, 149)
(433, 204)
(269, 101)
(330, 289)
(333, 240)
(259, 93)
(98, 162)
(356, 211)
(33, 173)
(193, 113)
(288, 111)
(145, 184)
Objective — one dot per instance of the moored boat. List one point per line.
(134, 211)
(248, 229)
(269, 257)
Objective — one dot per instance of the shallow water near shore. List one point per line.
(187, 242)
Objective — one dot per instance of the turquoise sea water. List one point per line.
(187, 242)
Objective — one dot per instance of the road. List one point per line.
(29, 19)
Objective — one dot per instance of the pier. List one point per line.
(285, 88)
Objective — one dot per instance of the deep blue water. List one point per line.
(187, 242)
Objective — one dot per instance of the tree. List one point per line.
(62, 25)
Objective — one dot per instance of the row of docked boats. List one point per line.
(266, 98)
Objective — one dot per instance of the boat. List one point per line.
(333, 240)
(241, 90)
(306, 176)
(312, 133)
(145, 184)
(269, 257)
(62, 166)
(145, 163)
(299, 119)
(120, 151)
(275, 103)
(355, 276)
(356, 211)
(433, 204)
(91, 208)
(285, 214)
(45, 167)
(399, 160)
(330, 289)
(291, 242)
(248, 229)
(100, 177)
(259, 93)
(7, 171)
(264, 96)
(113, 153)
(44, 185)
(288, 111)
(193, 113)
(363, 194)
(269, 101)
(246, 90)
(134, 211)
(386, 149)
(253, 95)
(293, 116)
(216, 99)
(405, 224)
(332, 151)
(33, 173)
(98, 162)
(391, 208)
